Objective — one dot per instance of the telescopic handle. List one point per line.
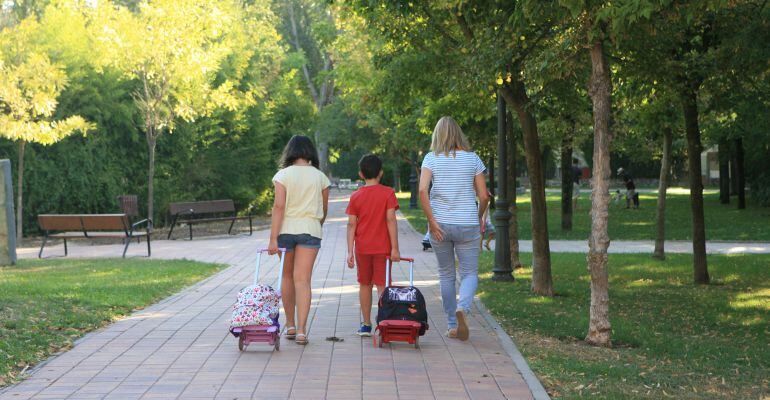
(389, 266)
(259, 261)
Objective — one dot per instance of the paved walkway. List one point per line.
(180, 347)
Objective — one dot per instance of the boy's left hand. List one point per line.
(395, 255)
(351, 260)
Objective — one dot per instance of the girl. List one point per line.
(299, 211)
(456, 222)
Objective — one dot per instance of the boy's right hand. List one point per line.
(351, 260)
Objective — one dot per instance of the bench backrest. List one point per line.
(81, 222)
(129, 205)
(105, 222)
(202, 207)
(59, 222)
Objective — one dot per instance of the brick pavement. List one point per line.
(180, 347)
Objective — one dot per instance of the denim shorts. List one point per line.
(290, 241)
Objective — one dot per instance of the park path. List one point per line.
(180, 347)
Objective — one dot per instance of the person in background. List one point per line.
(631, 194)
(576, 175)
(489, 228)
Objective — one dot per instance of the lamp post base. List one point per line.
(502, 276)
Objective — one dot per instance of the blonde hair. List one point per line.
(448, 137)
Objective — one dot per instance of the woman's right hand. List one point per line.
(272, 247)
(436, 232)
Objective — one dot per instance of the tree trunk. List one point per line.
(19, 194)
(396, 178)
(151, 142)
(566, 183)
(323, 157)
(694, 149)
(733, 171)
(600, 90)
(513, 225)
(724, 172)
(542, 282)
(660, 217)
(741, 177)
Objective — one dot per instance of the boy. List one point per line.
(372, 234)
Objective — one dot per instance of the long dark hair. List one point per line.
(299, 146)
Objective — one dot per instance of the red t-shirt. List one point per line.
(371, 204)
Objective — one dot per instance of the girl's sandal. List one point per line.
(291, 335)
(301, 339)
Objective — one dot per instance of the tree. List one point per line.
(660, 213)
(30, 85)
(311, 32)
(174, 49)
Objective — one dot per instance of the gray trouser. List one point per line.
(462, 240)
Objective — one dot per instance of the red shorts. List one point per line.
(371, 269)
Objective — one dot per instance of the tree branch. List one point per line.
(295, 35)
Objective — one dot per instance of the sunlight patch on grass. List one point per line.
(638, 223)
(759, 299)
(641, 283)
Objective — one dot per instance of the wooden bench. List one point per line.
(196, 212)
(89, 226)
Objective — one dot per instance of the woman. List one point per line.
(299, 211)
(455, 221)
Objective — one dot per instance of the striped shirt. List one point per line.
(453, 197)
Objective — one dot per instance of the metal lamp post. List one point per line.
(502, 270)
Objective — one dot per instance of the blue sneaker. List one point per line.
(364, 330)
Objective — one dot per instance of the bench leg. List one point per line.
(230, 229)
(190, 225)
(173, 224)
(128, 241)
(149, 252)
(251, 229)
(65, 247)
(40, 253)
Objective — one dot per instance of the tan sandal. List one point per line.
(289, 335)
(301, 339)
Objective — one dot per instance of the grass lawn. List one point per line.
(47, 304)
(672, 339)
(723, 222)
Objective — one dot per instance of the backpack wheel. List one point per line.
(240, 342)
(417, 342)
(277, 344)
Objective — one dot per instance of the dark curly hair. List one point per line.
(299, 146)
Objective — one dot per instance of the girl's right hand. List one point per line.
(272, 247)
(436, 232)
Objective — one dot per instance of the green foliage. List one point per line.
(249, 108)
